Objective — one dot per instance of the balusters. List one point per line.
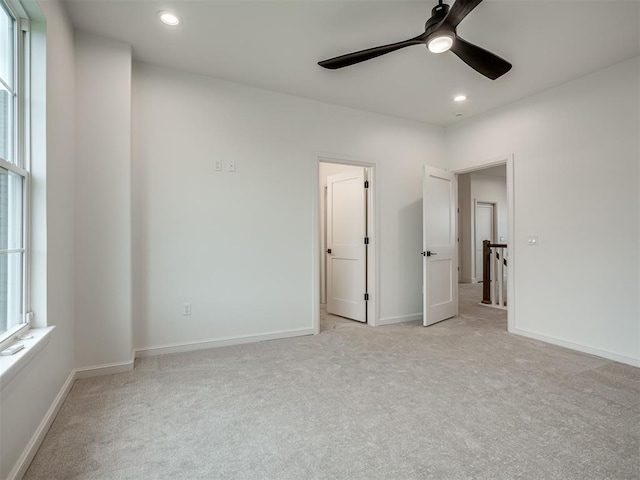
(494, 263)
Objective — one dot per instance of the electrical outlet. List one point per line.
(186, 309)
(217, 165)
(231, 166)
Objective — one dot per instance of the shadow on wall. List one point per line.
(408, 256)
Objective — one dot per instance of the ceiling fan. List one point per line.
(439, 36)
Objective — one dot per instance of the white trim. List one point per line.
(21, 466)
(373, 252)
(491, 306)
(7, 88)
(315, 218)
(17, 9)
(511, 246)
(221, 342)
(105, 369)
(11, 250)
(401, 319)
(635, 362)
(491, 162)
(6, 338)
(12, 365)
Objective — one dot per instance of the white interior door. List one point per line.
(440, 256)
(346, 249)
(484, 230)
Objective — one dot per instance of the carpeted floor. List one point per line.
(462, 399)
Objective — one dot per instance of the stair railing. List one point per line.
(494, 263)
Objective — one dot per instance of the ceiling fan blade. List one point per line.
(368, 54)
(459, 10)
(488, 64)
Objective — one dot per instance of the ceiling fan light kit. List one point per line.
(440, 43)
(439, 36)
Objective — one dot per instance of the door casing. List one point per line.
(373, 281)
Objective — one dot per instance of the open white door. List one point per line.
(346, 248)
(440, 263)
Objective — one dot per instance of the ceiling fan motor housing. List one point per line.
(437, 14)
(438, 33)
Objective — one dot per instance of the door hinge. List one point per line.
(366, 184)
(458, 210)
(366, 240)
(366, 297)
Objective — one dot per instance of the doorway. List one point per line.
(449, 218)
(345, 243)
(486, 212)
(484, 228)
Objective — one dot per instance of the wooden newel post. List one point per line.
(486, 272)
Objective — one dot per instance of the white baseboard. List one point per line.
(32, 447)
(635, 362)
(221, 342)
(402, 318)
(106, 369)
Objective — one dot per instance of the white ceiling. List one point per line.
(276, 45)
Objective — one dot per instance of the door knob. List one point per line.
(328, 250)
(428, 253)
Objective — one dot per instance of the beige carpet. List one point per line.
(462, 399)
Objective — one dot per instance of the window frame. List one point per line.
(21, 153)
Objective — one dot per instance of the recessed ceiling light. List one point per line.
(168, 18)
(459, 98)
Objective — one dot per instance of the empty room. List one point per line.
(347, 239)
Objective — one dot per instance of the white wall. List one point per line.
(242, 247)
(492, 189)
(576, 156)
(479, 187)
(465, 228)
(103, 201)
(25, 400)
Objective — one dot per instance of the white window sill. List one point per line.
(12, 365)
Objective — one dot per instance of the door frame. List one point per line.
(507, 160)
(494, 233)
(373, 305)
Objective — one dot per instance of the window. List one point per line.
(13, 174)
